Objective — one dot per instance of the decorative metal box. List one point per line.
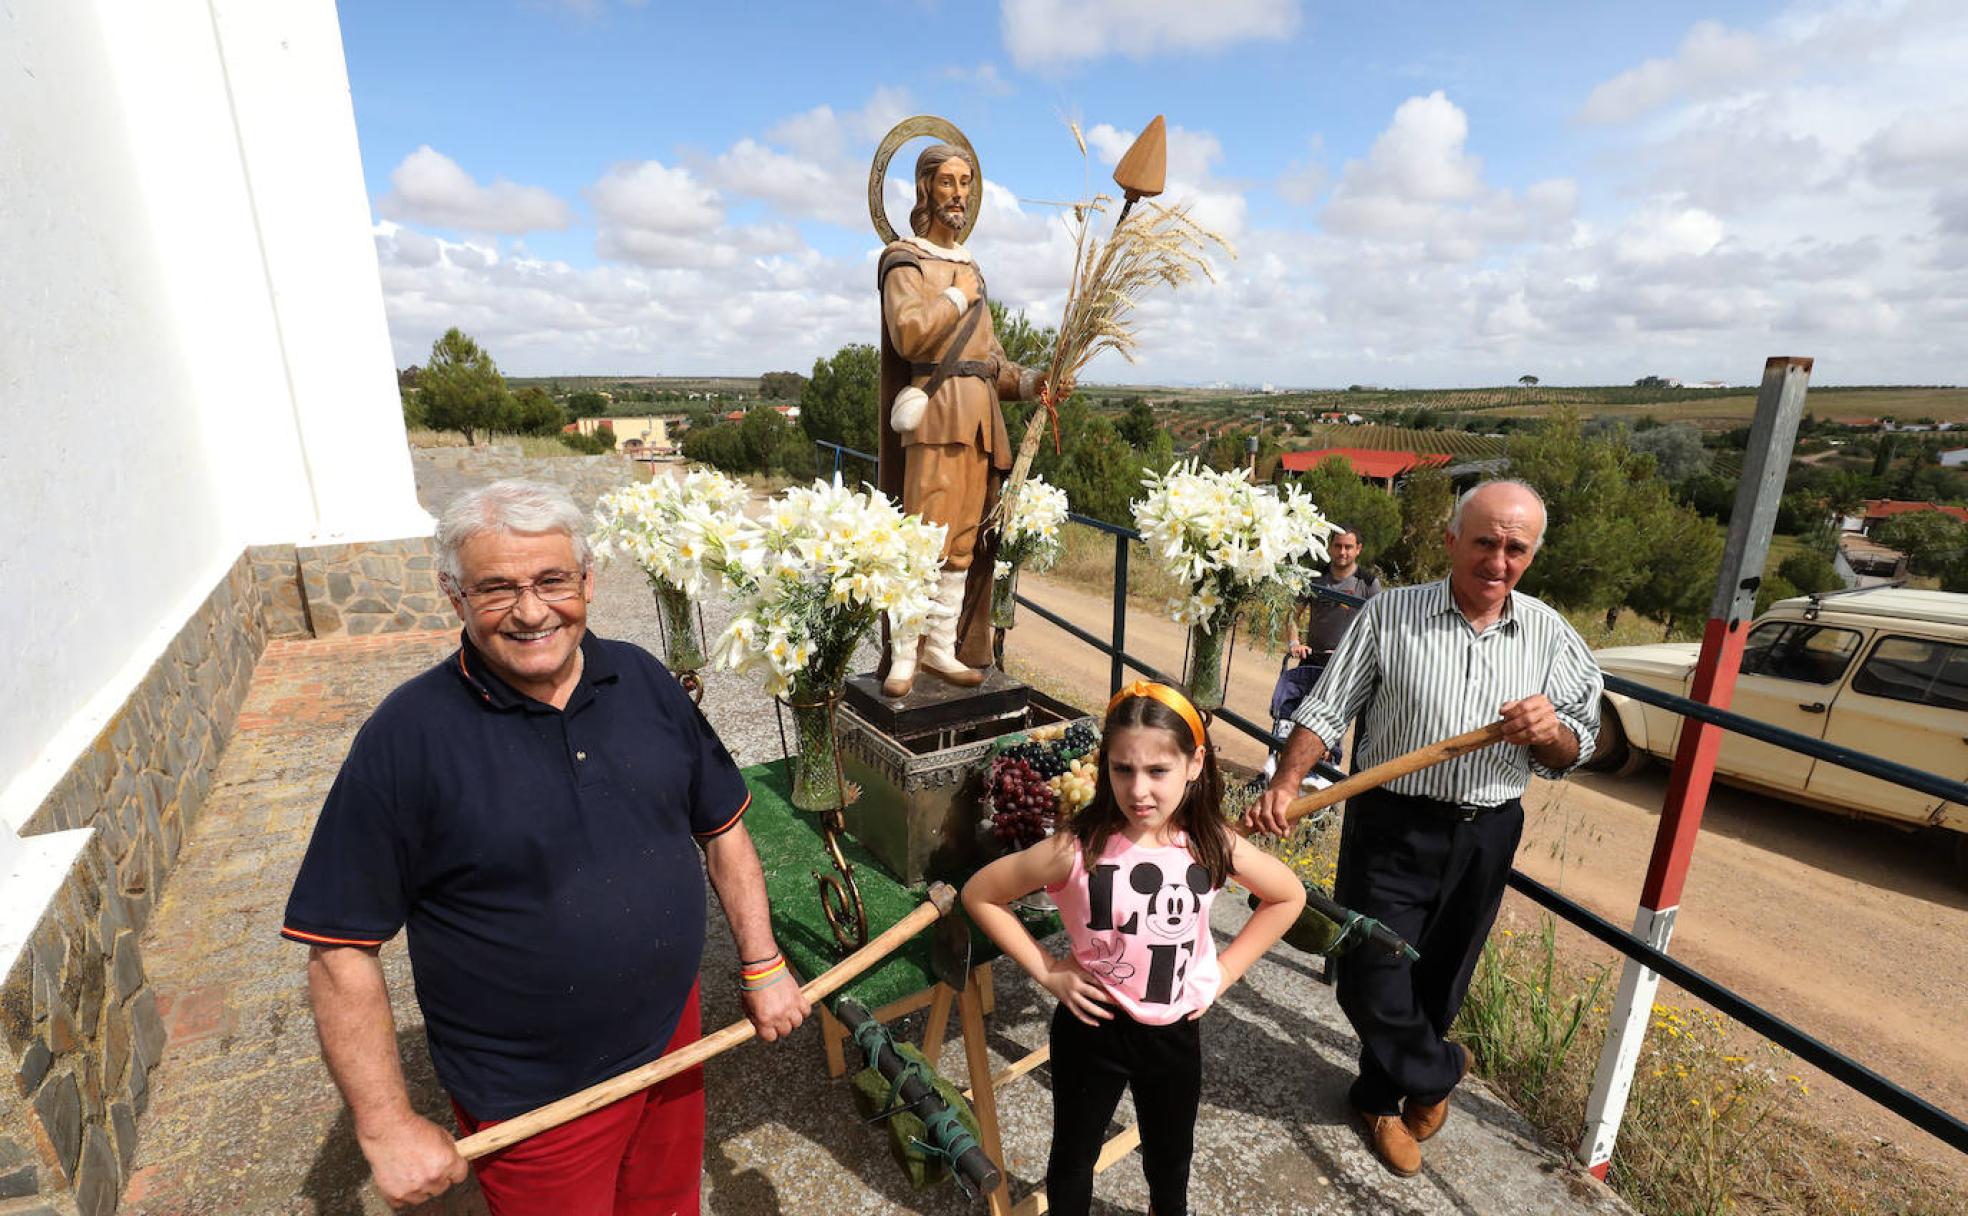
(917, 761)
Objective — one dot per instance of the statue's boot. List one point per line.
(939, 652)
(901, 669)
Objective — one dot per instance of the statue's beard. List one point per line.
(951, 217)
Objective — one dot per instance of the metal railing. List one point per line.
(1941, 1124)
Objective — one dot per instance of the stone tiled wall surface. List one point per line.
(79, 1024)
(276, 571)
(383, 586)
(443, 473)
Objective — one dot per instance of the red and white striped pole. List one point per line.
(1779, 407)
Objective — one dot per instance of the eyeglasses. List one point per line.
(551, 588)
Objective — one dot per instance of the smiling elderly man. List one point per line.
(1428, 853)
(531, 810)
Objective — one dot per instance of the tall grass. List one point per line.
(1708, 1128)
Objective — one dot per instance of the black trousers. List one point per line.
(1436, 878)
(1091, 1065)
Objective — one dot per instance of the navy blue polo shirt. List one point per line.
(541, 860)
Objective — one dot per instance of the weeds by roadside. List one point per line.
(1706, 1130)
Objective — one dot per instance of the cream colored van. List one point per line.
(1882, 670)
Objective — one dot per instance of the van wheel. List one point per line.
(1961, 856)
(1612, 753)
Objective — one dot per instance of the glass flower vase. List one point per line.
(1004, 600)
(815, 762)
(683, 639)
(1208, 647)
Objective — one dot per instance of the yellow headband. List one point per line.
(1167, 696)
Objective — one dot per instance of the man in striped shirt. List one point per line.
(1428, 853)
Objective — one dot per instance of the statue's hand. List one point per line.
(967, 283)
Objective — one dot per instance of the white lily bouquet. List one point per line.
(662, 525)
(811, 575)
(1227, 540)
(1030, 541)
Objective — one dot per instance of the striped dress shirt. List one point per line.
(1417, 672)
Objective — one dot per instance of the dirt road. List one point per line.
(1855, 932)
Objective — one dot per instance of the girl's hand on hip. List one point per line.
(1083, 996)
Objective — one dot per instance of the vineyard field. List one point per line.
(1400, 439)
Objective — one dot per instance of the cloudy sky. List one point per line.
(1424, 194)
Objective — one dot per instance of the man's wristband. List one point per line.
(753, 977)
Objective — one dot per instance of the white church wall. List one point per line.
(115, 513)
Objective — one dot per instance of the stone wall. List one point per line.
(382, 586)
(390, 586)
(79, 1024)
(444, 473)
(276, 571)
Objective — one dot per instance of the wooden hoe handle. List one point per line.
(941, 899)
(1399, 766)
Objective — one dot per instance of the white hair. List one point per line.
(528, 507)
(1544, 516)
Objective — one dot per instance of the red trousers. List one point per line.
(641, 1156)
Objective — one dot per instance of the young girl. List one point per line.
(1133, 879)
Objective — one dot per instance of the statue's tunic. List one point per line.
(947, 468)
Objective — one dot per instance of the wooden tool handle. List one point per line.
(1399, 766)
(941, 899)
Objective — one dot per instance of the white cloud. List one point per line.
(428, 187)
(1054, 33)
(813, 165)
(651, 196)
(1928, 148)
(1713, 59)
(1817, 214)
(1661, 233)
(1420, 185)
(984, 77)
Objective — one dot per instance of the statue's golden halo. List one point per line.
(914, 128)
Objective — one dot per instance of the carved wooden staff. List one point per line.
(942, 898)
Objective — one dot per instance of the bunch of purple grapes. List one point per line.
(1022, 804)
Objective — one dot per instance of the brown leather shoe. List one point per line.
(1391, 1142)
(1424, 1119)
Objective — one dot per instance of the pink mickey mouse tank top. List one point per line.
(1138, 920)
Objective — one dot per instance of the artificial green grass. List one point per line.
(790, 850)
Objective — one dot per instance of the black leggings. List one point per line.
(1163, 1065)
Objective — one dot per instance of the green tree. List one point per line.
(587, 404)
(461, 388)
(1933, 541)
(781, 386)
(1677, 450)
(1809, 572)
(1677, 584)
(413, 409)
(536, 413)
(717, 446)
(1593, 551)
(838, 403)
(1528, 381)
(1137, 425)
(1344, 499)
(1024, 343)
(1426, 498)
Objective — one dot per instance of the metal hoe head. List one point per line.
(949, 950)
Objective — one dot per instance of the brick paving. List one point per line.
(244, 1117)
